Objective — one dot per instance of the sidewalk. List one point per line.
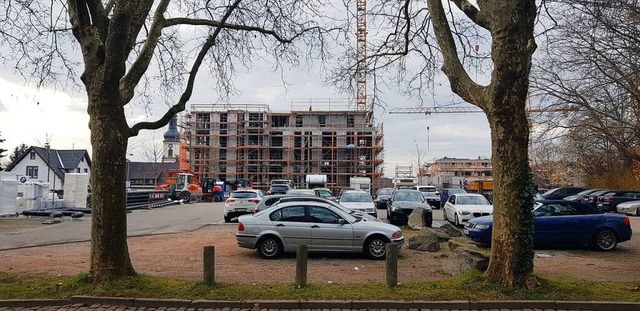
(86, 303)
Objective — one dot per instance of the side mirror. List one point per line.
(342, 221)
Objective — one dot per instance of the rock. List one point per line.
(449, 229)
(416, 219)
(425, 241)
(464, 257)
(442, 236)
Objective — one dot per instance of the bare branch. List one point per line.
(473, 13)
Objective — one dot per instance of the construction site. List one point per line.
(233, 142)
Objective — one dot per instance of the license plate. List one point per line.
(466, 231)
(240, 209)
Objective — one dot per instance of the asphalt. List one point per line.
(89, 303)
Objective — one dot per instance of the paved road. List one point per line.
(169, 219)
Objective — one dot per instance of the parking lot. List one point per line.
(178, 254)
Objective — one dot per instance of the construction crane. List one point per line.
(361, 56)
(470, 109)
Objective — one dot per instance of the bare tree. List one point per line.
(118, 42)
(419, 158)
(153, 149)
(593, 69)
(418, 39)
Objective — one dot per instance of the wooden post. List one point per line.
(392, 265)
(209, 265)
(302, 254)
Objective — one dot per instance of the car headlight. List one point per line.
(465, 212)
(394, 208)
(396, 235)
(481, 226)
(371, 210)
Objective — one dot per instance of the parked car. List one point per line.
(446, 192)
(564, 223)
(320, 226)
(310, 192)
(269, 200)
(580, 195)
(353, 213)
(629, 208)
(241, 202)
(592, 198)
(609, 201)
(561, 193)
(324, 193)
(402, 204)
(279, 189)
(342, 190)
(462, 207)
(358, 200)
(431, 194)
(382, 197)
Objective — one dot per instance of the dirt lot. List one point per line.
(180, 256)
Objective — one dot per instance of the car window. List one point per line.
(270, 201)
(243, 195)
(557, 210)
(472, 200)
(452, 199)
(322, 215)
(385, 191)
(355, 197)
(291, 213)
(408, 196)
(451, 191)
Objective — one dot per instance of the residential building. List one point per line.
(250, 142)
(50, 165)
(146, 175)
(455, 172)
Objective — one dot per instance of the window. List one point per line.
(32, 171)
(77, 170)
(322, 120)
(170, 153)
(86, 170)
(556, 210)
(292, 213)
(323, 215)
(32, 155)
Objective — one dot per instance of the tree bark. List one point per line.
(109, 137)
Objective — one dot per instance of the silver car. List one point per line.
(321, 226)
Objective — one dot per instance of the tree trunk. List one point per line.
(513, 44)
(109, 137)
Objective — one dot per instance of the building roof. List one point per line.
(149, 170)
(172, 134)
(60, 161)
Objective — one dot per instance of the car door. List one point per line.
(450, 207)
(556, 224)
(329, 231)
(291, 223)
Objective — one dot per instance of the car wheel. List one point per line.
(605, 240)
(444, 214)
(270, 247)
(375, 247)
(227, 219)
(456, 221)
(186, 197)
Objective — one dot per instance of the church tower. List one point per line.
(171, 142)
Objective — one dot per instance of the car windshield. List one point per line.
(452, 191)
(385, 191)
(302, 192)
(472, 200)
(279, 187)
(356, 197)
(549, 192)
(426, 189)
(585, 192)
(243, 195)
(408, 196)
(324, 192)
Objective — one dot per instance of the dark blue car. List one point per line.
(564, 223)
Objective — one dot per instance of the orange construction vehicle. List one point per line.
(182, 185)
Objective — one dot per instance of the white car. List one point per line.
(308, 192)
(629, 208)
(358, 200)
(431, 194)
(462, 207)
(241, 202)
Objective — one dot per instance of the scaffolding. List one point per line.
(234, 142)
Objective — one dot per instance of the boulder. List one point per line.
(416, 219)
(442, 237)
(450, 229)
(425, 241)
(464, 257)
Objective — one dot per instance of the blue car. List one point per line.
(565, 223)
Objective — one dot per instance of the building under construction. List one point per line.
(250, 142)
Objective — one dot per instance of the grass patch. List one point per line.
(471, 286)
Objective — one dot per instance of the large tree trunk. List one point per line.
(512, 47)
(109, 137)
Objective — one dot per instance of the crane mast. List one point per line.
(361, 55)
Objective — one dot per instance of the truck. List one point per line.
(316, 181)
(360, 183)
(181, 185)
(484, 187)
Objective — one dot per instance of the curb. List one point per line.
(326, 304)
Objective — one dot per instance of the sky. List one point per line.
(32, 115)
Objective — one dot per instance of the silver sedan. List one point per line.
(320, 226)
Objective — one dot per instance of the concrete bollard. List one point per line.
(302, 256)
(392, 265)
(209, 265)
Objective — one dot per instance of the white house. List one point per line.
(37, 163)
